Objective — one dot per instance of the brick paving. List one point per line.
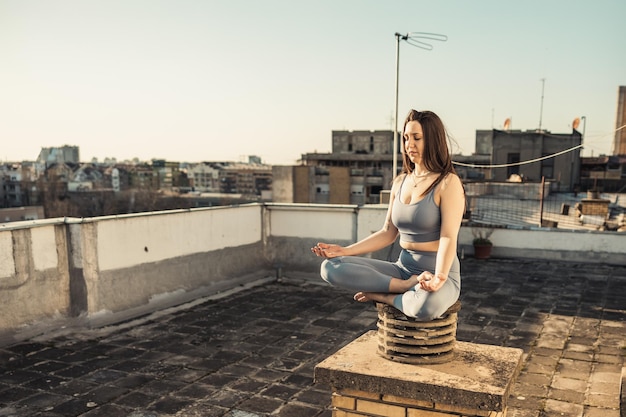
(252, 353)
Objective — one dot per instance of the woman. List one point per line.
(426, 207)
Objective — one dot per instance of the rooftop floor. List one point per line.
(252, 353)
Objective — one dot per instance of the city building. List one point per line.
(59, 155)
(16, 214)
(139, 176)
(11, 189)
(357, 170)
(167, 173)
(86, 177)
(247, 179)
(532, 155)
(18, 184)
(603, 173)
(297, 184)
(251, 180)
(204, 177)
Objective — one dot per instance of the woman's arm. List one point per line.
(452, 207)
(376, 241)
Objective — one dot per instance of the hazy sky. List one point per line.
(194, 80)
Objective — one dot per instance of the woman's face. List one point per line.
(414, 142)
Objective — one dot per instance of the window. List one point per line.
(323, 189)
(356, 189)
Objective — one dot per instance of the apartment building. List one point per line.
(248, 179)
(11, 186)
(59, 155)
(532, 154)
(357, 170)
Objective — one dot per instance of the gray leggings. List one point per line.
(373, 275)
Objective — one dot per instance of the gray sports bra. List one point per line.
(417, 222)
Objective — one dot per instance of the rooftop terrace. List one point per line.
(252, 352)
(219, 312)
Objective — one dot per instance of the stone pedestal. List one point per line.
(476, 382)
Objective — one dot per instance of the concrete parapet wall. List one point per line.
(112, 268)
(291, 230)
(157, 254)
(117, 266)
(554, 244)
(34, 276)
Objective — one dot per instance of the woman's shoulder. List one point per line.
(396, 184)
(398, 180)
(449, 181)
(451, 178)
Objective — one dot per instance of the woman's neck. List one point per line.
(420, 171)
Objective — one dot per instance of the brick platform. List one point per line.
(477, 382)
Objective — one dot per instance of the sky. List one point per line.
(192, 80)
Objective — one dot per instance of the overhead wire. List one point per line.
(531, 161)
(512, 164)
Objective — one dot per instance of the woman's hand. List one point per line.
(328, 250)
(431, 282)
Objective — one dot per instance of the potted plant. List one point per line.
(482, 243)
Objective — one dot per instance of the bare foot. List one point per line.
(412, 282)
(364, 297)
(399, 286)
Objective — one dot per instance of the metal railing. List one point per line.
(563, 211)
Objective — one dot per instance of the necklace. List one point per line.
(418, 178)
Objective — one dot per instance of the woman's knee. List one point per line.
(329, 270)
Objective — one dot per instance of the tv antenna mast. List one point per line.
(419, 40)
(543, 84)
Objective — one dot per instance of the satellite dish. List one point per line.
(576, 122)
(507, 123)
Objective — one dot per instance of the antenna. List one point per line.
(543, 84)
(414, 39)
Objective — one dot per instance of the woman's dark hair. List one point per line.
(436, 155)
